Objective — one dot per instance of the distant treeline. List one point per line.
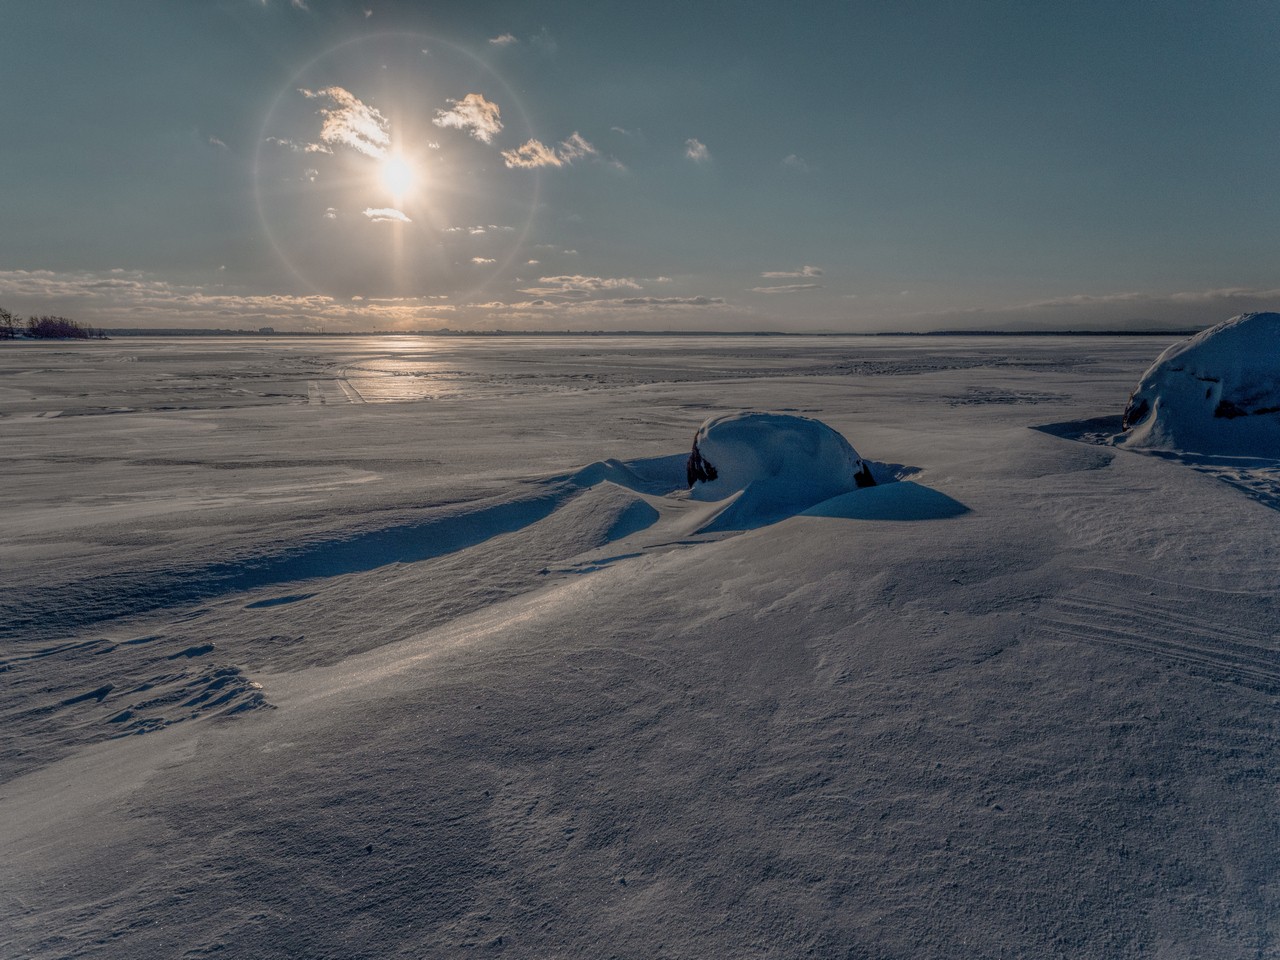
(45, 327)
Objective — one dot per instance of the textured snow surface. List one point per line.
(773, 465)
(420, 648)
(1215, 393)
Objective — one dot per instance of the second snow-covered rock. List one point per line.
(1215, 393)
(776, 464)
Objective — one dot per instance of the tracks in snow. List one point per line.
(337, 390)
(1192, 628)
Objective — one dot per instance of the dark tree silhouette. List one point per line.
(57, 328)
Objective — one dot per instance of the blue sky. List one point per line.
(850, 166)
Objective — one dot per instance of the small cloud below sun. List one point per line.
(386, 215)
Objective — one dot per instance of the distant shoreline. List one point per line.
(256, 334)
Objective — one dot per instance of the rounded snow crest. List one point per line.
(1215, 393)
(804, 460)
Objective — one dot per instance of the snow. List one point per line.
(1215, 393)
(773, 465)
(463, 667)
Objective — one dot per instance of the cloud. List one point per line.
(671, 301)
(215, 142)
(792, 162)
(472, 113)
(783, 274)
(331, 213)
(300, 5)
(532, 153)
(297, 147)
(1124, 310)
(127, 298)
(575, 148)
(505, 40)
(697, 151)
(535, 153)
(386, 214)
(579, 286)
(480, 261)
(480, 229)
(544, 42)
(350, 122)
(787, 288)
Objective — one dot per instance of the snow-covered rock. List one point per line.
(774, 464)
(1215, 393)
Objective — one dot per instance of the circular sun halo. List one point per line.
(397, 175)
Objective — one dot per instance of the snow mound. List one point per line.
(1215, 393)
(774, 465)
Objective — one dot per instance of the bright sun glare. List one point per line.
(397, 175)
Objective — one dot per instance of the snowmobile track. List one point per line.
(1194, 628)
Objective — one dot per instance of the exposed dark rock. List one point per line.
(1135, 411)
(698, 470)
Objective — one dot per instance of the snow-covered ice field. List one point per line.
(402, 648)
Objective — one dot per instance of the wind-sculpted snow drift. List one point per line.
(1215, 393)
(773, 465)
(523, 708)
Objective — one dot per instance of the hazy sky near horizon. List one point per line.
(826, 166)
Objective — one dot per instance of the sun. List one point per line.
(397, 175)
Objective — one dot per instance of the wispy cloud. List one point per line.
(544, 42)
(350, 122)
(577, 285)
(535, 153)
(792, 162)
(575, 148)
(131, 298)
(386, 214)
(474, 114)
(697, 151)
(126, 298)
(805, 271)
(505, 40)
(481, 261)
(530, 154)
(331, 213)
(297, 147)
(300, 5)
(671, 301)
(787, 288)
(480, 229)
(216, 142)
(1123, 310)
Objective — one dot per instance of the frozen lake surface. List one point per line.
(405, 647)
